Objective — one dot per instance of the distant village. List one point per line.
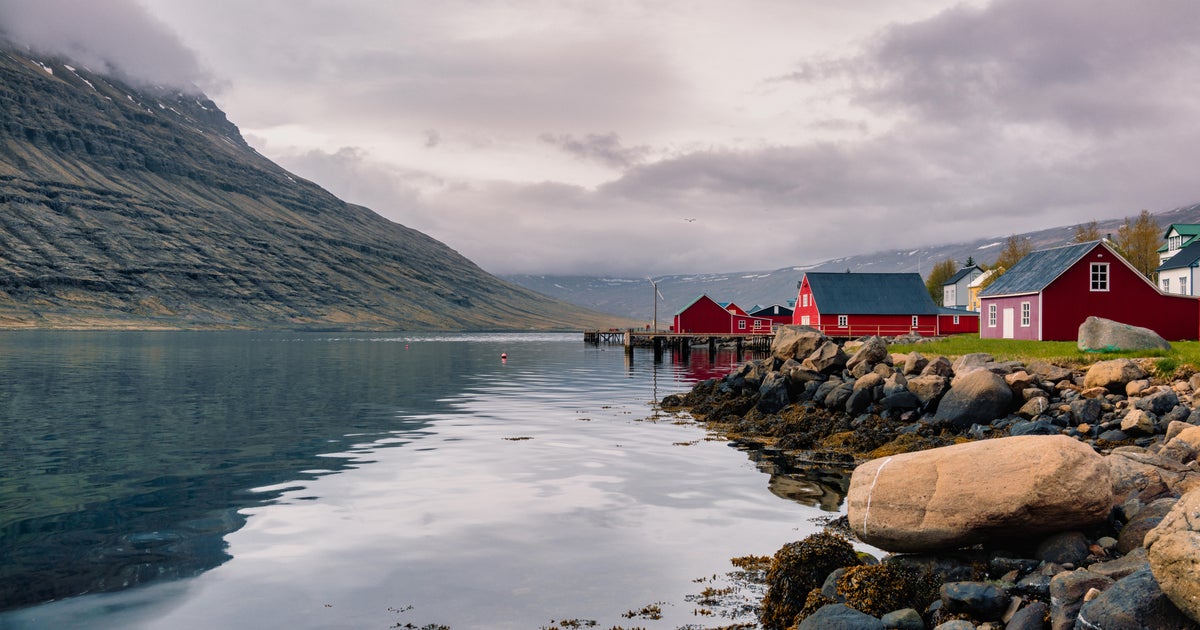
(1044, 296)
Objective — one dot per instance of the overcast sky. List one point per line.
(652, 137)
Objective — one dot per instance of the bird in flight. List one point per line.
(690, 220)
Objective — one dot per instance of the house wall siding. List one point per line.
(1029, 332)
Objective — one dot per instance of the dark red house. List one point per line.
(1049, 293)
(705, 316)
(885, 304)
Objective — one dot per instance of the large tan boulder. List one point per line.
(969, 493)
(795, 342)
(1174, 552)
(1113, 375)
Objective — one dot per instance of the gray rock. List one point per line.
(906, 619)
(836, 399)
(1031, 617)
(940, 367)
(1133, 535)
(828, 358)
(1069, 547)
(1041, 426)
(1138, 422)
(1135, 602)
(977, 397)
(929, 388)
(1034, 407)
(840, 617)
(1097, 334)
(981, 600)
(1158, 403)
(1173, 549)
(1086, 410)
(914, 363)
(872, 351)
(1066, 595)
(773, 393)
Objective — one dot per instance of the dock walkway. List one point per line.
(679, 341)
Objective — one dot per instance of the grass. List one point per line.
(1181, 361)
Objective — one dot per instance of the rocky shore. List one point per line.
(1009, 494)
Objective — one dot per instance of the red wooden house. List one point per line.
(885, 304)
(1049, 293)
(705, 316)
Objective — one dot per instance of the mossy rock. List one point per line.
(881, 588)
(797, 569)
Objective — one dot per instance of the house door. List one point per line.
(804, 320)
(1008, 323)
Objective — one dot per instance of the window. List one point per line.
(1025, 314)
(804, 300)
(1183, 285)
(1166, 285)
(1174, 242)
(741, 324)
(1099, 276)
(805, 320)
(916, 321)
(956, 320)
(843, 321)
(757, 324)
(991, 315)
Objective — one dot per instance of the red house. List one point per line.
(885, 304)
(704, 316)
(1049, 293)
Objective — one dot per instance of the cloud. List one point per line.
(604, 148)
(115, 36)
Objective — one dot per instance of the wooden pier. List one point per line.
(681, 342)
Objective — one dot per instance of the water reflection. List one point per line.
(465, 483)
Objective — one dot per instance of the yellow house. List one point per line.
(975, 287)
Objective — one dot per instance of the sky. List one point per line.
(649, 137)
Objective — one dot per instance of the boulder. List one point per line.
(914, 363)
(1049, 372)
(795, 342)
(1029, 618)
(1067, 590)
(940, 366)
(1097, 334)
(1138, 422)
(971, 362)
(1113, 375)
(1136, 601)
(1034, 407)
(967, 493)
(872, 351)
(1069, 547)
(928, 387)
(1138, 474)
(974, 398)
(826, 358)
(773, 393)
(1133, 534)
(1158, 403)
(1174, 552)
(840, 617)
(980, 600)
(1184, 445)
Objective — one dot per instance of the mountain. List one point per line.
(126, 206)
(634, 297)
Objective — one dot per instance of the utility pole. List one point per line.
(656, 296)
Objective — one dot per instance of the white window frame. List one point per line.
(1098, 277)
(916, 321)
(991, 315)
(1174, 242)
(1166, 285)
(1026, 309)
(843, 321)
(741, 324)
(1183, 290)
(956, 320)
(757, 324)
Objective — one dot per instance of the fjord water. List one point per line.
(307, 480)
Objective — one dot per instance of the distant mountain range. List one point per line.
(634, 297)
(131, 207)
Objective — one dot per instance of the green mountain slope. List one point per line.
(140, 208)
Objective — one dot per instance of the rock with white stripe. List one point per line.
(969, 493)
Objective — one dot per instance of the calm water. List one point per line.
(254, 480)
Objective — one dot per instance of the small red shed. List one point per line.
(1050, 292)
(778, 314)
(706, 316)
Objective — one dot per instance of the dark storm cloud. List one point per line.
(605, 148)
(113, 36)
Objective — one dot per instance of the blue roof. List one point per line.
(1038, 269)
(962, 273)
(871, 293)
(1185, 257)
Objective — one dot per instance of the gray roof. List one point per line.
(1186, 257)
(871, 293)
(960, 274)
(1038, 269)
